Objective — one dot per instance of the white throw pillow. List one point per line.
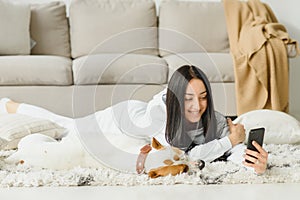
(280, 128)
(13, 127)
(14, 26)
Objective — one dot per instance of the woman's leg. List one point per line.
(3, 107)
(44, 151)
(35, 111)
(12, 107)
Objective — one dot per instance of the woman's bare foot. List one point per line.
(12, 106)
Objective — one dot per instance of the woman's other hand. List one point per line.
(259, 159)
(237, 133)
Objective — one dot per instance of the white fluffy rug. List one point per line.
(283, 167)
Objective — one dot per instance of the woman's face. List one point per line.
(195, 100)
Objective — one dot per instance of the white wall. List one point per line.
(288, 14)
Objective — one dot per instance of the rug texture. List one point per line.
(283, 167)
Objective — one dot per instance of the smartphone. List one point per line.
(256, 135)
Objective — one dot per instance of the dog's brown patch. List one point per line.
(176, 157)
(166, 170)
(168, 162)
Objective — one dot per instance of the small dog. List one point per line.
(179, 163)
(175, 161)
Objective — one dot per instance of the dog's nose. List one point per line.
(201, 164)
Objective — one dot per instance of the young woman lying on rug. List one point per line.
(200, 130)
(192, 125)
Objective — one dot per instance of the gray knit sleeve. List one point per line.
(222, 126)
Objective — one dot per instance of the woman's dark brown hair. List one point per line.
(176, 123)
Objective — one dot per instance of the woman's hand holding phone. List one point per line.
(256, 156)
(258, 159)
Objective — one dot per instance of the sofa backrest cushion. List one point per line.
(218, 67)
(49, 28)
(186, 27)
(112, 26)
(14, 28)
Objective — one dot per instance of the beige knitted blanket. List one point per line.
(258, 45)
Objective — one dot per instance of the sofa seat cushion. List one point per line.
(189, 26)
(112, 26)
(35, 70)
(119, 69)
(217, 66)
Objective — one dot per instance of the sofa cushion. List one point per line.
(14, 28)
(217, 66)
(49, 29)
(119, 68)
(112, 26)
(192, 27)
(35, 70)
(14, 127)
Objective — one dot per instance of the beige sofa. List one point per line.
(107, 51)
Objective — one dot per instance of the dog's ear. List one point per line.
(156, 145)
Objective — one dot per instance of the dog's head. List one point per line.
(165, 160)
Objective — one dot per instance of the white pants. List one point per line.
(109, 136)
(42, 113)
